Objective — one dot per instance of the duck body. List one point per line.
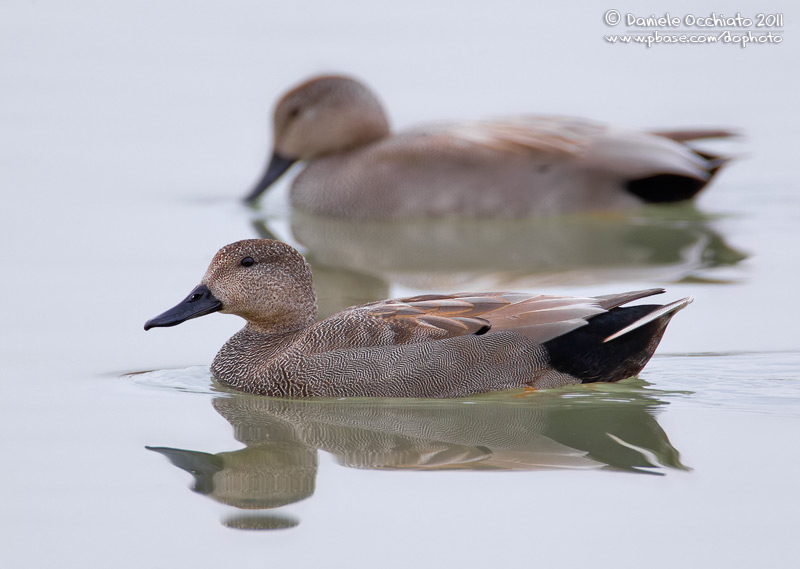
(436, 174)
(425, 346)
(299, 366)
(522, 166)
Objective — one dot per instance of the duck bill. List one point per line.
(277, 166)
(199, 303)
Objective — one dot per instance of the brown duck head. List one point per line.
(266, 282)
(324, 115)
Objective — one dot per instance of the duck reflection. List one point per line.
(610, 426)
(356, 262)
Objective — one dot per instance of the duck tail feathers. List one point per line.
(609, 301)
(615, 344)
(666, 312)
(695, 134)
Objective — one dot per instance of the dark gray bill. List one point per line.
(277, 166)
(199, 303)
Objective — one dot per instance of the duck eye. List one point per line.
(293, 112)
(248, 262)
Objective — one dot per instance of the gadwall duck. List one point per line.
(525, 166)
(425, 346)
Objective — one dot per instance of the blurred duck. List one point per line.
(425, 346)
(355, 168)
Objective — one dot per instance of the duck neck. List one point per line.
(288, 312)
(279, 327)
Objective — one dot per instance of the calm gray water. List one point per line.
(130, 132)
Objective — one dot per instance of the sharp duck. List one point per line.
(424, 346)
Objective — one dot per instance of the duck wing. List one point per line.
(555, 136)
(624, 152)
(539, 317)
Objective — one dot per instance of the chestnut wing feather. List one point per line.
(539, 317)
(536, 316)
(628, 153)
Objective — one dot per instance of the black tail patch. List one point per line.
(583, 353)
(666, 188)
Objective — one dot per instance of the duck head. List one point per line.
(266, 282)
(324, 115)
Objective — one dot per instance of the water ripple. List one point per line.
(756, 382)
(759, 382)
